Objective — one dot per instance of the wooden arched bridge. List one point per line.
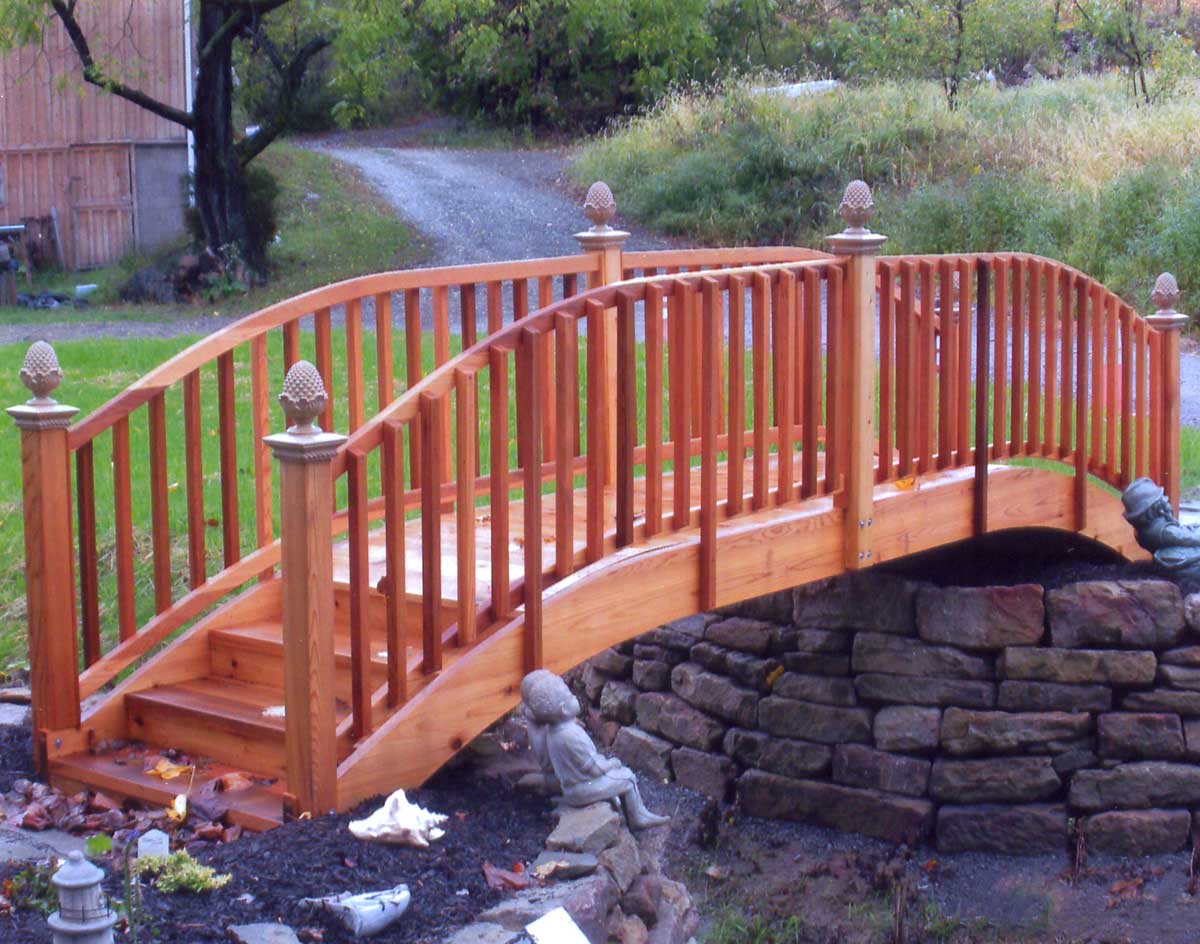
(633, 437)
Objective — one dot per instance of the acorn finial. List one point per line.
(599, 206)
(1166, 292)
(857, 206)
(303, 398)
(41, 373)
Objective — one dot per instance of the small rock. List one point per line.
(565, 865)
(642, 898)
(644, 752)
(622, 860)
(263, 934)
(587, 829)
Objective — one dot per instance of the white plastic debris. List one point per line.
(556, 927)
(399, 821)
(366, 913)
(275, 711)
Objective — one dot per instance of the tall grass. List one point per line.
(1069, 169)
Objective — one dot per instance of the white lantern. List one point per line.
(83, 915)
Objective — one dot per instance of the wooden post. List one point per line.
(49, 560)
(1170, 322)
(856, 383)
(306, 563)
(606, 243)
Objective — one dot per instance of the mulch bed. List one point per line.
(489, 822)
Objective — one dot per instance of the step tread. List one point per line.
(223, 699)
(258, 807)
(268, 638)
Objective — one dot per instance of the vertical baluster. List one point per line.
(529, 428)
(123, 525)
(785, 378)
(432, 408)
(354, 363)
(291, 343)
(1000, 377)
(227, 435)
(1066, 378)
(160, 525)
(906, 348)
(385, 373)
(89, 581)
(963, 435)
(759, 294)
(495, 306)
(467, 316)
(983, 317)
(1127, 404)
(360, 567)
(264, 525)
(1050, 320)
(441, 354)
(627, 414)
(811, 378)
(498, 479)
(545, 291)
(679, 367)
(570, 285)
(836, 407)
(323, 329)
(414, 371)
(1154, 412)
(1017, 406)
(654, 408)
(887, 402)
(947, 364)
(737, 396)
(927, 372)
(1098, 388)
(1081, 400)
(466, 436)
(397, 589)
(1112, 405)
(566, 352)
(711, 324)
(1033, 431)
(520, 294)
(597, 423)
(1141, 348)
(193, 449)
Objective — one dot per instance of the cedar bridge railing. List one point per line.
(223, 384)
(762, 386)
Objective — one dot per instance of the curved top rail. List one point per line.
(741, 255)
(369, 436)
(221, 342)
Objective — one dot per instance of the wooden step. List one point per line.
(221, 718)
(121, 775)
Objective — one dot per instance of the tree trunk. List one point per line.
(220, 185)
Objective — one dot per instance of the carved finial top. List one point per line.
(1166, 292)
(41, 373)
(303, 398)
(599, 206)
(857, 206)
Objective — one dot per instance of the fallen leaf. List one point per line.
(906, 484)
(503, 878)
(165, 770)
(178, 810)
(773, 676)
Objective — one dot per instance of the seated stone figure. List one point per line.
(565, 752)
(1176, 547)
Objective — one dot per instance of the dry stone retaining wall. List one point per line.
(994, 718)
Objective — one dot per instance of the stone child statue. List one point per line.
(566, 753)
(1176, 547)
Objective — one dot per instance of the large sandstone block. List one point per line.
(617, 700)
(825, 724)
(858, 766)
(1001, 732)
(863, 600)
(753, 671)
(1002, 780)
(816, 663)
(827, 690)
(1137, 832)
(746, 635)
(793, 639)
(644, 752)
(710, 774)
(1053, 696)
(901, 655)
(1185, 704)
(1136, 786)
(676, 720)
(983, 618)
(715, 694)
(651, 676)
(892, 818)
(910, 690)
(1184, 655)
(613, 663)
(907, 728)
(797, 759)
(1077, 665)
(589, 829)
(1009, 830)
(1131, 736)
(681, 634)
(1127, 614)
(1180, 677)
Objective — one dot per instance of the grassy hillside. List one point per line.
(1069, 169)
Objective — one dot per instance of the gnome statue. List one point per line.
(566, 752)
(1176, 547)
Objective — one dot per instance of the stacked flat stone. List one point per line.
(982, 718)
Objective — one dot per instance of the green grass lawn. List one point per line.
(332, 226)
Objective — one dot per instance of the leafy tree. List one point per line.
(221, 159)
(1128, 36)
